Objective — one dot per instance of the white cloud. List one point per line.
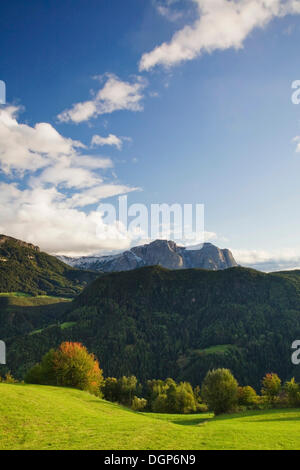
(115, 95)
(165, 9)
(207, 237)
(222, 24)
(97, 193)
(54, 183)
(30, 148)
(45, 217)
(111, 140)
(297, 139)
(25, 149)
(72, 172)
(268, 260)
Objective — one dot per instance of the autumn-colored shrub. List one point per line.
(71, 365)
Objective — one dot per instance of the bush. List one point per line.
(181, 398)
(159, 405)
(8, 379)
(220, 391)
(201, 408)
(138, 404)
(247, 397)
(292, 390)
(43, 373)
(110, 389)
(169, 397)
(120, 390)
(69, 366)
(271, 387)
(128, 387)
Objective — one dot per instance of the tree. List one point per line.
(71, 365)
(292, 390)
(120, 390)
(43, 373)
(110, 389)
(138, 404)
(155, 388)
(220, 391)
(169, 397)
(185, 399)
(247, 396)
(271, 386)
(127, 389)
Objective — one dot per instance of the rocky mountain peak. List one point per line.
(165, 253)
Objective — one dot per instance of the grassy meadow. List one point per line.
(42, 417)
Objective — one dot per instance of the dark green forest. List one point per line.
(156, 323)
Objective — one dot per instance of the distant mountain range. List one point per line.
(160, 252)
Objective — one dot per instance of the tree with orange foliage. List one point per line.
(71, 365)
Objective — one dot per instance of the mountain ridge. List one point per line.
(159, 252)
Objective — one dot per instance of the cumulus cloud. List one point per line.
(72, 172)
(23, 147)
(268, 260)
(221, 24)
(111, 140)
(45, 154)
(46, 218)
(56, 187)
(115, 95)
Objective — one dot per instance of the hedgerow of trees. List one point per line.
(71, 365)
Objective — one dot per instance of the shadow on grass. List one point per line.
(191, 422)
(267, 415)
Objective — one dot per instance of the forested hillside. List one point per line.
(23, 268)
(157, 323)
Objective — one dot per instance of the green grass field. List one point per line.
(34, 298)
(39, 417)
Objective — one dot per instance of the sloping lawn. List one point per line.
(39, 417)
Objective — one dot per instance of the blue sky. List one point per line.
(206, 119)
